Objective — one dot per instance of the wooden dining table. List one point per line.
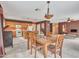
(46, 42)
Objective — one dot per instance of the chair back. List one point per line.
(27, 35)
(59, 41)
(32, 37)
(49, 34)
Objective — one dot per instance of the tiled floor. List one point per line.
(19, 50)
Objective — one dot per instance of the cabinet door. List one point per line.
(8, 38)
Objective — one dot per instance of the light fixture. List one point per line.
(48, 16)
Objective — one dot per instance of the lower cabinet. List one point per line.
(8, 38)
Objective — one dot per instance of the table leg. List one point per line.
(45, 51)
(29, 44)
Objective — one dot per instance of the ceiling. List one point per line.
(25, 10)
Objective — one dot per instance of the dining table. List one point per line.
(46, 41)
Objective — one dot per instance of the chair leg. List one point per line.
(60, 53)
(31, 50)
(55, 55)
(35, 52)
(44, 56)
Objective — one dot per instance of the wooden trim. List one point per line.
(2, 48)
(51, 27)
(26, 21)
(42, 21)
(45, 25)
(36, 27)
(5, 27)
(13, 20)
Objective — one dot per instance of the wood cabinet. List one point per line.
(8, 38)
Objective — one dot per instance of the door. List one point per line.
(18, 32)
(1, 39)
(2, 53)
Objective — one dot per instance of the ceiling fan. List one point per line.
(37, 9)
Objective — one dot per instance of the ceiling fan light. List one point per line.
(48, 16)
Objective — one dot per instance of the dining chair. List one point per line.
(49, 34)
(26, 35)
(57, 47)
(28, 39)
(34, 44)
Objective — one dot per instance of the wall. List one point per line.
(55, 28)
(12, 26)
(73, 25)
(69, 26)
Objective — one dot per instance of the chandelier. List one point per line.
(48, 16)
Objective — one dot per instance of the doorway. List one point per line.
(18, 31)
